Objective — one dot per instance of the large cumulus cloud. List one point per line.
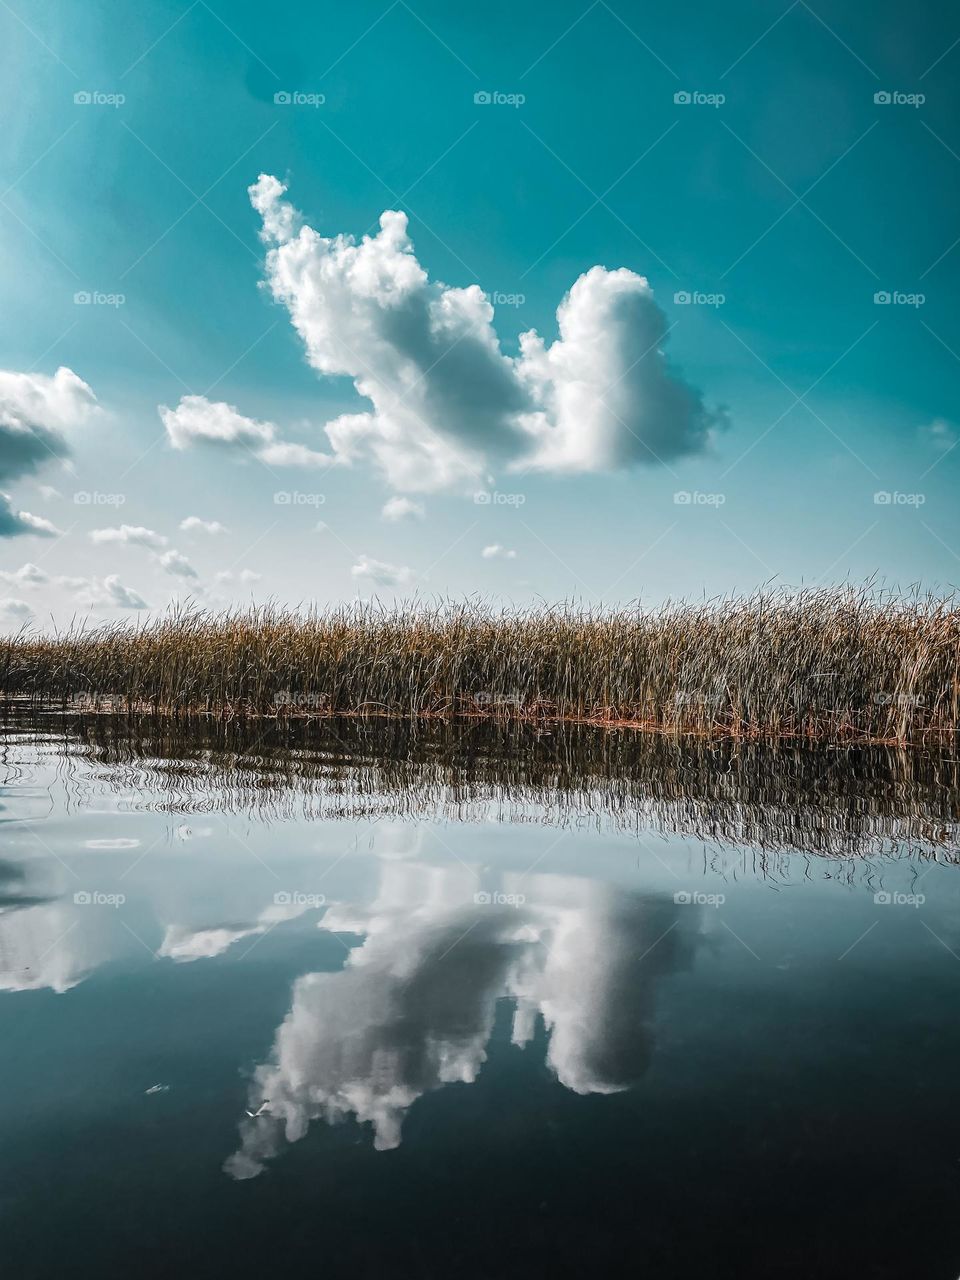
(446, 406)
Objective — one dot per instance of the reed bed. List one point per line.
(838, 664)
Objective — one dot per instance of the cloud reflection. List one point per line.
(413, 1009)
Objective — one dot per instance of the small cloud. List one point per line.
(496, 552)
(14, 524)
(133, 534)
(28, 575)
(16, 609)
(197, 420)
(173, 562)
(194, 524)
(382, 573)
(115, 593)
(941, 434)
(403, 509)
(49, 492)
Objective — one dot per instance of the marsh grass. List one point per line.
(841, 665)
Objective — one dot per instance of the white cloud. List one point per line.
(173, 562)
(382, 573)
(15, 523)
(112, 591)
(35, 411)
(446, 405)
(135, 534)
(49, 492)
(11, 607)
(194, 524)
(28, 575)
(197, 420)
(496, 552)
(398, 508)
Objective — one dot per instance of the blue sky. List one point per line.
(782, 197)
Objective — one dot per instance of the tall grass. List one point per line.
(842, 664)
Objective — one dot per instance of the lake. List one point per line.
(462, 1000)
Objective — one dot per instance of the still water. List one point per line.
(460, 1003)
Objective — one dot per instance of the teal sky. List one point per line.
(796, 199)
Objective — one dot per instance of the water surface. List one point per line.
(506, 1004)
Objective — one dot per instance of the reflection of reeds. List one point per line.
(841, 665)
(833, 802)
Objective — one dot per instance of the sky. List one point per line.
(588, 301)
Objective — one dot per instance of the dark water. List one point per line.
(536, 1004)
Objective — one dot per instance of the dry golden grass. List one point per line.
(836, 664)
